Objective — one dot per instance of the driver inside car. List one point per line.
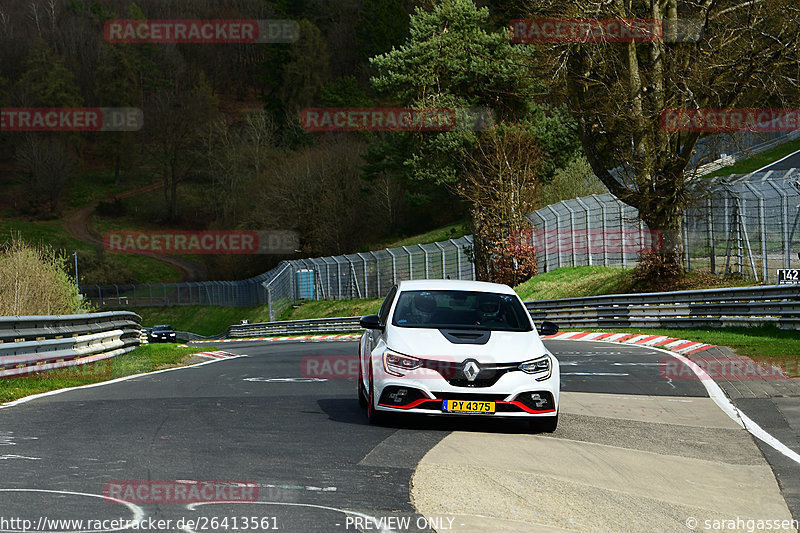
(489, 308)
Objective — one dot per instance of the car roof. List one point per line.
(454, 285)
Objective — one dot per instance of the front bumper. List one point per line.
(516, 394)
(162, 339)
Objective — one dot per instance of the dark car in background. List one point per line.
(162, 333)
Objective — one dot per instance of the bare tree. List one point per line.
(34, 16)
(503, 175)
(51, 13)
(317, 192)
(5, 24)
(260, 133)
(177, 118)
(49, 166)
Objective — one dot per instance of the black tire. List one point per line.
(362, 398)
(544, 424)
(374, 416)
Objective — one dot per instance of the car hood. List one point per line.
(502, 347)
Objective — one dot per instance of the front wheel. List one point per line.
(362, 398)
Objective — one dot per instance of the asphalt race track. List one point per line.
(786, 163)
(626, 432)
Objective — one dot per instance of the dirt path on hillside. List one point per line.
(78, 223)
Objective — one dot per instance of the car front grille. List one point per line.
(456, 375)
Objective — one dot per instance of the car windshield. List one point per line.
(162, 328)
(460, 310)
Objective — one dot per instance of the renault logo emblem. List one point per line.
(471, 370)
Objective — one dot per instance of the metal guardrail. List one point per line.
(740, 306)
(289, 327)
(30, 344)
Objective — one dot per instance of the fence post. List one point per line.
(603, 228)
(366, 281)
(338, 278)
(328, 279)
(711, 247)
(444, 260)
(471, 240)
(588, 238)
(685, 226)
(543, 242)
(784, 224)
(622, 234)
(786, 241)
(558, 240)
(763, 232)
(394, 266)
(269, 303)
(410, 263)
(353, 278)
(458, 257)
(377, 274)
(572, 233)
(425, 253)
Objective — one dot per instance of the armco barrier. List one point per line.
(31, 344)
(741, 306)
(289, 327)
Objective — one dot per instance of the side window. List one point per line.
(383, 314)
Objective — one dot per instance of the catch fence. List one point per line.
(746, 226)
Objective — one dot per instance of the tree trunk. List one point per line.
(173, 203)
(665, 255)
(480, 254)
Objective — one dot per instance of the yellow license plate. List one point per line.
(467, 406)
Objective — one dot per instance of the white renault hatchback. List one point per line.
(457, 348)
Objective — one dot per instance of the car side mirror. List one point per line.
(548, 328)
(371, 322)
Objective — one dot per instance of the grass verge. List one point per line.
(211, 320)
(146, 358)
(573, 282)
(201, 319)
(451, 231)
(757, 161)
(333, 308)
(576, 282)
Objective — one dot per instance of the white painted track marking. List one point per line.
(138, 513)
(716, 393)
(383, 529)
(27, 399)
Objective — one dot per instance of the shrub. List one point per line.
(34, 281)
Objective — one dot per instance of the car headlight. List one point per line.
(396, 364)
(171, 334)
(540, 365)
